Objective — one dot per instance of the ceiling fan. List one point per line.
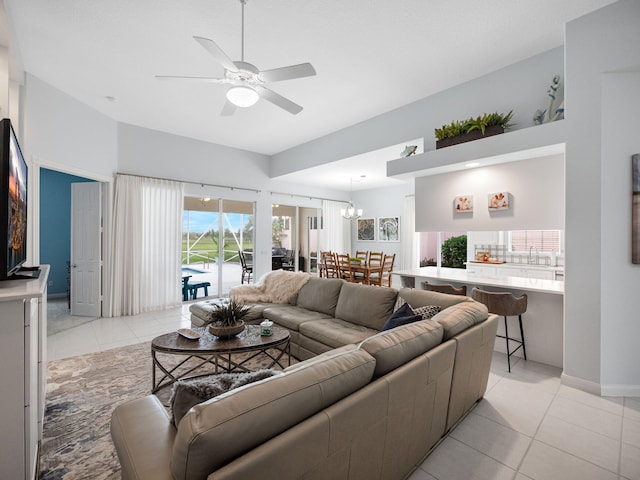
(246, 80)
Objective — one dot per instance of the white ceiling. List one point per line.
(371, 56)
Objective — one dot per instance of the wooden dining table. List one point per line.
(365, 270)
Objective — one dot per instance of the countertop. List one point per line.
(18, 289)
(468, 277)
(525, 266)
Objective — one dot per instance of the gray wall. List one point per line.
(381, 202)
(61, 130)
(537, 197)
(601, 286)
(520, 87)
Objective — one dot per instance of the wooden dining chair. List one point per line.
(382, 277)
(362, 255)
(376, 258)
(329, 265)
(344, 266)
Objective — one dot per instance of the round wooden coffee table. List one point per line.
(211, 350)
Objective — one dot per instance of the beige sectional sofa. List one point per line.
(364, 404)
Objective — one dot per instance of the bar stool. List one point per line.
(506, 305)
(445, 288)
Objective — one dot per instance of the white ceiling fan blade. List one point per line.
(288, 73)
(193, 79)
(217, 53)
(228, 109)
(278, 100)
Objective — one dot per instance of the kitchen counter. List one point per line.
(531, 266)
(469, 277)
(543, 321)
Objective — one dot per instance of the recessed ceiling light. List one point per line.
(472, 164)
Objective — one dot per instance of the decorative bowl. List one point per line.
(226, 332)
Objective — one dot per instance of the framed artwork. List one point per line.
(499, 201)
(463, 204)
(366, 229)
(635, 209)
(389, 229)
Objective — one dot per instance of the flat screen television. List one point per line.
(13, 203)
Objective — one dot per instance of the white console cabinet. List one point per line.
(23, 367)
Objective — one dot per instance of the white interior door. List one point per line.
(86, 248)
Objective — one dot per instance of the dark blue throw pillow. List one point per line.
(402, 316)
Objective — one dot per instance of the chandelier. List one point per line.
(351, 212)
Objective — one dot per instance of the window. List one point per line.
(313, 223)
(429, 253)
(542, 240)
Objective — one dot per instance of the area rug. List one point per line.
(81, 395)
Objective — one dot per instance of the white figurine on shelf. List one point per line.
(551, 113)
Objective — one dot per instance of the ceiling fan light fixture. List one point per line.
(242, 96)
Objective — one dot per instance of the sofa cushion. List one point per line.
(366, 305)
(291, 317)
(276, 286)
(458, 318)
(335, 332)
(202, 309)
(215, 432)
(398, 346)
(187, 393)
(402, 316)
(320, 295)
(323, 356)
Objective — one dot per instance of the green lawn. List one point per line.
(206, 250)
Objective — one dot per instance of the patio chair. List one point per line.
(194, 287)
(247, 270)
(288, 262)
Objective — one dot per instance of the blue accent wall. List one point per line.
(55, 225)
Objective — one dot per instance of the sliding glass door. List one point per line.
(295, 233)
(213, 233)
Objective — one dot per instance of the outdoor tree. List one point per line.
(454, 252)
(277, 227)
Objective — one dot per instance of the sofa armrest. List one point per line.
(143, 436)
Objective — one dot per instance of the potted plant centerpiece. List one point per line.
(225, 320)
(472, 129)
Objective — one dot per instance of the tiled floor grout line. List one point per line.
(535, 434)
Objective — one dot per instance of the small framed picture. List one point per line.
(463, 204)
(389, 229)
(499, 201)
(366, 229)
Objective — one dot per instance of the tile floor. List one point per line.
(528, 426)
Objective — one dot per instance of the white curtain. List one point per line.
(336, 231)
(409, 237)
(147, 226)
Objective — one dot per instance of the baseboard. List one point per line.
(581, 384)
(621, 390)
(601, 390)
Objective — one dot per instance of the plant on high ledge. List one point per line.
(472, 128)
(489, 120)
